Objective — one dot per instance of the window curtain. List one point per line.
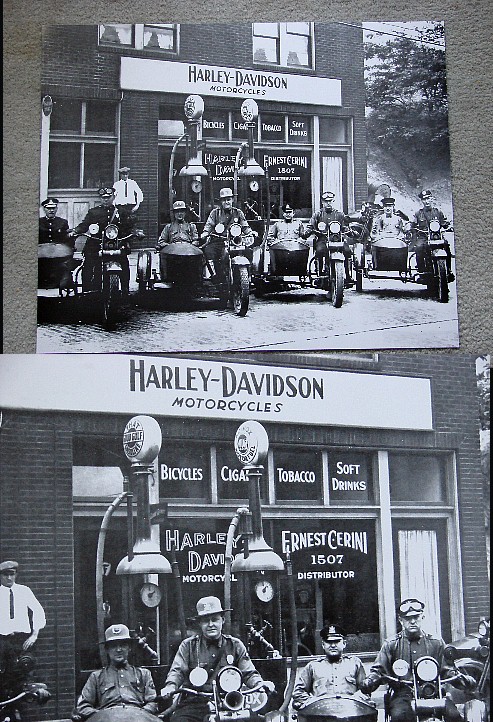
(332, 178)
(418, 564)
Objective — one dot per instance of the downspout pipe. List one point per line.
(99, 572)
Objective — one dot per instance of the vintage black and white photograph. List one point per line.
(256, 186)
(264, 537)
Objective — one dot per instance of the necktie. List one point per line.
(125, 190)
(11, 604)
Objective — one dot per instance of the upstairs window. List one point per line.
(159, 37)
(283, 44)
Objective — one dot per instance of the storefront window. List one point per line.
(335, 566)
(290, 179)
(215, 124)
(64, 167)
(99, 162)
(240, 128)
(415, 478)
(285, 44)
(162, 36)
(100, 117)
(299, 129)
(333, 130)
(350, 477)
(232, 480)
(66, 116)
(184, 471)
(272, 127)
(159, 37)
(297, 476)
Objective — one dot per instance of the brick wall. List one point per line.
(37, 531)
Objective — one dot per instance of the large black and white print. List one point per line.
(260, 186)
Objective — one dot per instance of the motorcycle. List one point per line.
(229, 701)
(338, 708)
(236, 286)
(435, 274)
(429, 698)
(15, 686)
(330, 267)
(471, 656)
(280, 264)
(33, 691)
(55, 265)
(102, 271)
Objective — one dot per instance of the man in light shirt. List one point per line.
(17, 633)
(127, 192)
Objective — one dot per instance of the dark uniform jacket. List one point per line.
(54, 230)
(198, 652)
(176, 231)
(423, 216)
(325, 217)
(321, 676)
(102, 216)
(111, 687)
(218, 215)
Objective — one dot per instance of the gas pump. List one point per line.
(249, 186)
(259, 571)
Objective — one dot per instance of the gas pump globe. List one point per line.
(249, 113)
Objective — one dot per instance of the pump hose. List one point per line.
(99, 572)
(294, 637)
(228, 559)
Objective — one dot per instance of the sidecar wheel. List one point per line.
(112, 298)
(336, 284)
(442, 282)
(143, 271)
(241, 291)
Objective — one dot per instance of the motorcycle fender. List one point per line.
(438, 253)
(257, 260)
(359, 254)
(475, 711)
(240, 261)
(112, 266)
(337, 256)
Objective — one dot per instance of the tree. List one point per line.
(407, 96)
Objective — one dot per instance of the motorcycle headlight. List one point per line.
(235, 230)
(434, 226)
(335, 227)
(219, 228)
(400, 667)
(229, 679)
(322, 227)
(427, 669)
(111, 232)
(198, 677)
(93, 229)
(484, 628)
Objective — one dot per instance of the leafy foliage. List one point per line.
(407, 95)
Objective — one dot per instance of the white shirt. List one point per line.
(24, 599)
(127, 192)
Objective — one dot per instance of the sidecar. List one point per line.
(386, 257)
(280, 265)
(340, 708)
(56, 264)
(130, 713)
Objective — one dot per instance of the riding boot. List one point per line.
(348, 282)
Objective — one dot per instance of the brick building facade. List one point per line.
(311, 139)
(395, 484)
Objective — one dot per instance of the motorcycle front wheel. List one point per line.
(441, 280)
(336, 284)
(112, 297)
(240, 291)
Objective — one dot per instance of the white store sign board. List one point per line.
(163, 76)
(177, 387)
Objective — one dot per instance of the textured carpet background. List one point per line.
(469, 33)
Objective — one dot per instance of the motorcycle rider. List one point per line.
(287, 229)
(178, 230)
(409, 644)
(335, 673)
(21, 618)
(211, 650)
(119, 684)
(420, 222)
(103, 215)
(327, 214)
(226, 214)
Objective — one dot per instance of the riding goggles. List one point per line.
(411, 605)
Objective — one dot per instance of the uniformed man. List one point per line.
(21, 617)
(389, 223)
(119, 684)
(325, 215)
(227, 215)
(335, 673)
(420, 222)
(211, 650)
(286, 229)
(178, 230)
(53, 228)
(101, 216)
(410, 644)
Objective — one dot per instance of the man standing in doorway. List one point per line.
(128, 195)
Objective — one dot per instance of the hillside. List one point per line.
(384, 168)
